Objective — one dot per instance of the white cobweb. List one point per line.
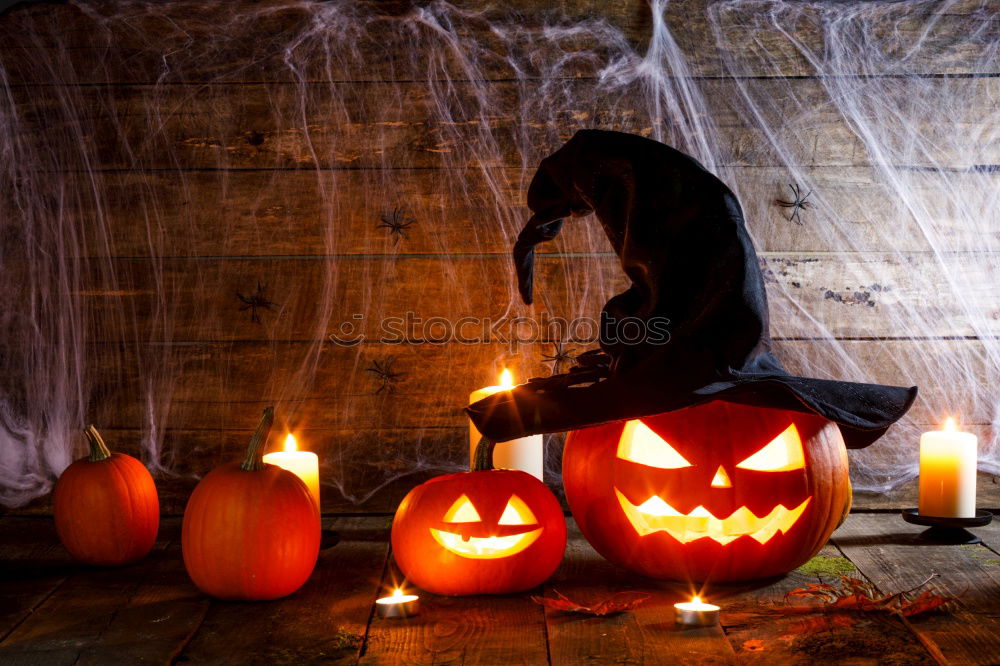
(886, 111)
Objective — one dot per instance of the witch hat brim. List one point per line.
(680, 236)
(863, 411)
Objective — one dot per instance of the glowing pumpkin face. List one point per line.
(489, 532)
(462, 520)
(719, 491)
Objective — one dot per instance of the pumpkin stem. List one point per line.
(483, 461)
(254, 459)
(98, 449)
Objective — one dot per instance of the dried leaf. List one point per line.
(853, 594)
(823, 591)
(616, 603)
(857, 601)
(812, 625)
(926, 602)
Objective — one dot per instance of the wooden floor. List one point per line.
(53, 611)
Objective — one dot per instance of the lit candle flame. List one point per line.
(398, 592)
(949, 425)
(290, 444)
(696, 600)
(506, 379)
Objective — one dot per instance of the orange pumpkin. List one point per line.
(105, 505)
(719, 491)
(251, 531)
(487, 531)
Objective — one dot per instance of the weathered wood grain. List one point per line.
(35, 565)
(148, 612)
(140, 613)
(905, 495)
(857, 209)
(644, 635)
(890, 40)
(194, 300)
(224, 386)
(349, 41)
(397, 124)
(157, 619)
(325, 621)
(990, 534)
(273, 213)
(503, 629)
(179, 42)
(886, 551)
(763, 629)
(95, 619)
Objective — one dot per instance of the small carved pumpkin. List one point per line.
(488, 531)
(105, 506)
(251, 531)
(717, 492)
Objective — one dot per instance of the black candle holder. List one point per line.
(948, 530)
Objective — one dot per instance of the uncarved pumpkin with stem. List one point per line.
(251, 531)
(106, 509)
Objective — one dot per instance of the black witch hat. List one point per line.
(680, 236)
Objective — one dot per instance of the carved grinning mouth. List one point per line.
(485, 547)
(655, 515)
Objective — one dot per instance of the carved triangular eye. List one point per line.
(641, 445)
(517, 513)
(462, 511)
(782, 454)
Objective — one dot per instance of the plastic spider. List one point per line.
(397, 222)
(254, 301)
(798, 203)
(385, 375)
(560, 354)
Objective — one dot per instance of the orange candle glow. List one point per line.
(398, 605)
(948, 473)
(525, 453)
(303, 464)
(696, 613)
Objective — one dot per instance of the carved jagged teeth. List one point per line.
(655, 515)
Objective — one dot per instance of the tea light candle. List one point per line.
(948, 473)
(303, 464)
(696, 613)
(525, 453)
(398, 605)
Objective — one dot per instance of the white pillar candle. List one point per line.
(302, 464)
(948, 473)
(525, 453)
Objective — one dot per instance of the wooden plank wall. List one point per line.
(237, 179)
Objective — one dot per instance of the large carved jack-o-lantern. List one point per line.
(672, 485)
(678, 487)
(489, 531)
(717, 492)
